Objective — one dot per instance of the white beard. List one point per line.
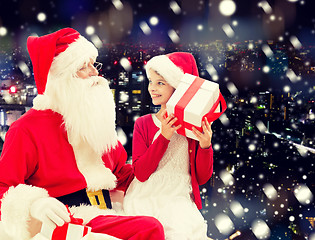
(88, 109)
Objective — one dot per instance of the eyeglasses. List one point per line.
(98, 65)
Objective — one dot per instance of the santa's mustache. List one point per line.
(95, 81)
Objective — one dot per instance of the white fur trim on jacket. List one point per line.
(88, 212)
(99, 236)
(166, 68)
(91, 165)
(15, 208)
(39, 236)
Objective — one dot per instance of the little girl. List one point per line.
(169, 167)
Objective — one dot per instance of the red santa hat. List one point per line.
(59, 52)
(173, 66)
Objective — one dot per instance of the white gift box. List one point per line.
(193, 100)
(68, 231)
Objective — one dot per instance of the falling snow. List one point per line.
(262, 55)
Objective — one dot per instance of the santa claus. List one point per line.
(65, 151)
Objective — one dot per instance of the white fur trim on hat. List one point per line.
(74, 57)
(166, 68)
(15, 208)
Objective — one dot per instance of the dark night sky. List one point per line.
(291, 18)
(251, 21)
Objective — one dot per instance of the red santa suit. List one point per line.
(37, 153)
(38, 161)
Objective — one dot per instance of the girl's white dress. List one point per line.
(165, 195)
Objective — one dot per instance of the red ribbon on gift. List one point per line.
(60, 233)
(185, 99)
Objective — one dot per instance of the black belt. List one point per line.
(99, 198)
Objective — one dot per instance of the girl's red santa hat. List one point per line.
(173, 66)
(57, 53)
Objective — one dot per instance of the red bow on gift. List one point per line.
(74, 220)
(60, 233)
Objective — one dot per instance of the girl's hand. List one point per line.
(168, 128)
(204, 137)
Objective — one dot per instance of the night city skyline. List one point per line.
(262, 57)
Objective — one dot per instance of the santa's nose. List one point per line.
(93, 71)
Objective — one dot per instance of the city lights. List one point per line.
(13, 89)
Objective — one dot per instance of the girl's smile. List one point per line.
(159, 89)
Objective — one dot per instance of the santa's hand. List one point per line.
(50, 212)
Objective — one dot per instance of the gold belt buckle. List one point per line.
(97, 198)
